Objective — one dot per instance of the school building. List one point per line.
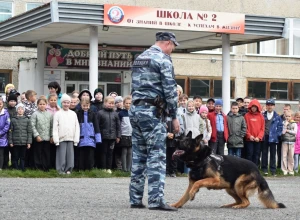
(262, 69)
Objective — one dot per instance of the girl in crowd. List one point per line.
(297, 144)
(41, 121)
(54, 88)
(4, 127)
(205, 126)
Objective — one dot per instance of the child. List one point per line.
(237, 129)
(41, 121)
(255, 131)
(12, 101)
(219, 127)
(65, 135)
(205, 126)
(182, 104)
(4, 128)
(297, 144)
(54, 88)
(109, 124)
(191, 120)
(198, 102)
(98, 102)
(20, 137)
(74, 103)
(52, 108)
(126, 132)
(86, 93)
(23, 97)
(288, 138)
(119, 103)
(30, 106)
(89, 135)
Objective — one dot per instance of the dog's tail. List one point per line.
(265, 195)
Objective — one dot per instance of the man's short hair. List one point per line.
(183, 96)
(29, 93)
(197, 97)
(234, 104)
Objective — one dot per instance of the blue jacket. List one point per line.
(4, 127)
(89, 129)
(275, 130)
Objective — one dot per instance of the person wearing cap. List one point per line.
(118, 103)
(219, 128)
(66, 134)
(210, 104)
(98, 102)
(86, 93)
(19, 137)
(273, 130)
(152, 77)
(12, 101)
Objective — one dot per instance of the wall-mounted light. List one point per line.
(218, 35)
(104, 45)
(213, 60)
(105, 28)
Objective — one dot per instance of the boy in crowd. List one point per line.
(236, 131)
(247, 101)
(182, 104)
(219, 127)
(242, 109)
(98, 102)
(74, 103)
(273, 130)
(210, 104)
(198, 102)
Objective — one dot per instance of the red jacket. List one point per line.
(255, 122)
(212, 117)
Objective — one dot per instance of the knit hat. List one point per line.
(219, 102)
(20, 105)
(270, 102)
(87, 91)
(12, 97)
(98, 90)
(65, 97)
(8, 85)
(203, 108)
(118, 99)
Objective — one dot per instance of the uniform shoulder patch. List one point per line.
(141, 63)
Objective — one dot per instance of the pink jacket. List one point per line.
(297, 144)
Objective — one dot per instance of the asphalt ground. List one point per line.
(107, 198)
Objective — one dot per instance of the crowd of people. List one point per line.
(249, 131)
(64, 132)
(83, 132)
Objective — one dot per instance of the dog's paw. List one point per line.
(176, 205)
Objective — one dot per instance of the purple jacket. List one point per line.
(4, 127)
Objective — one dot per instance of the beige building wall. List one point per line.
(243, 66)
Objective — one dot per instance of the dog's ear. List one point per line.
(199, 139)
(189, 135)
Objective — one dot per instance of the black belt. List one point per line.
(140, 102)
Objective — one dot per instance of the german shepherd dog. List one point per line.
(239, 177)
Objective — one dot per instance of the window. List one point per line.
(271, 47)
(279, 90)
(181, 82)
(5, 78)
(257, 90)
(199, 87)
(208, 88)
(30, 6)
(6, 10)
(218, 88)
(296, 91)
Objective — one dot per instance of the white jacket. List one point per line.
(65, 127)
(191, 122)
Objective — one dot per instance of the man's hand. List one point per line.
(176, 125)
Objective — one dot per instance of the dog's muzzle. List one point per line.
(177, 153)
